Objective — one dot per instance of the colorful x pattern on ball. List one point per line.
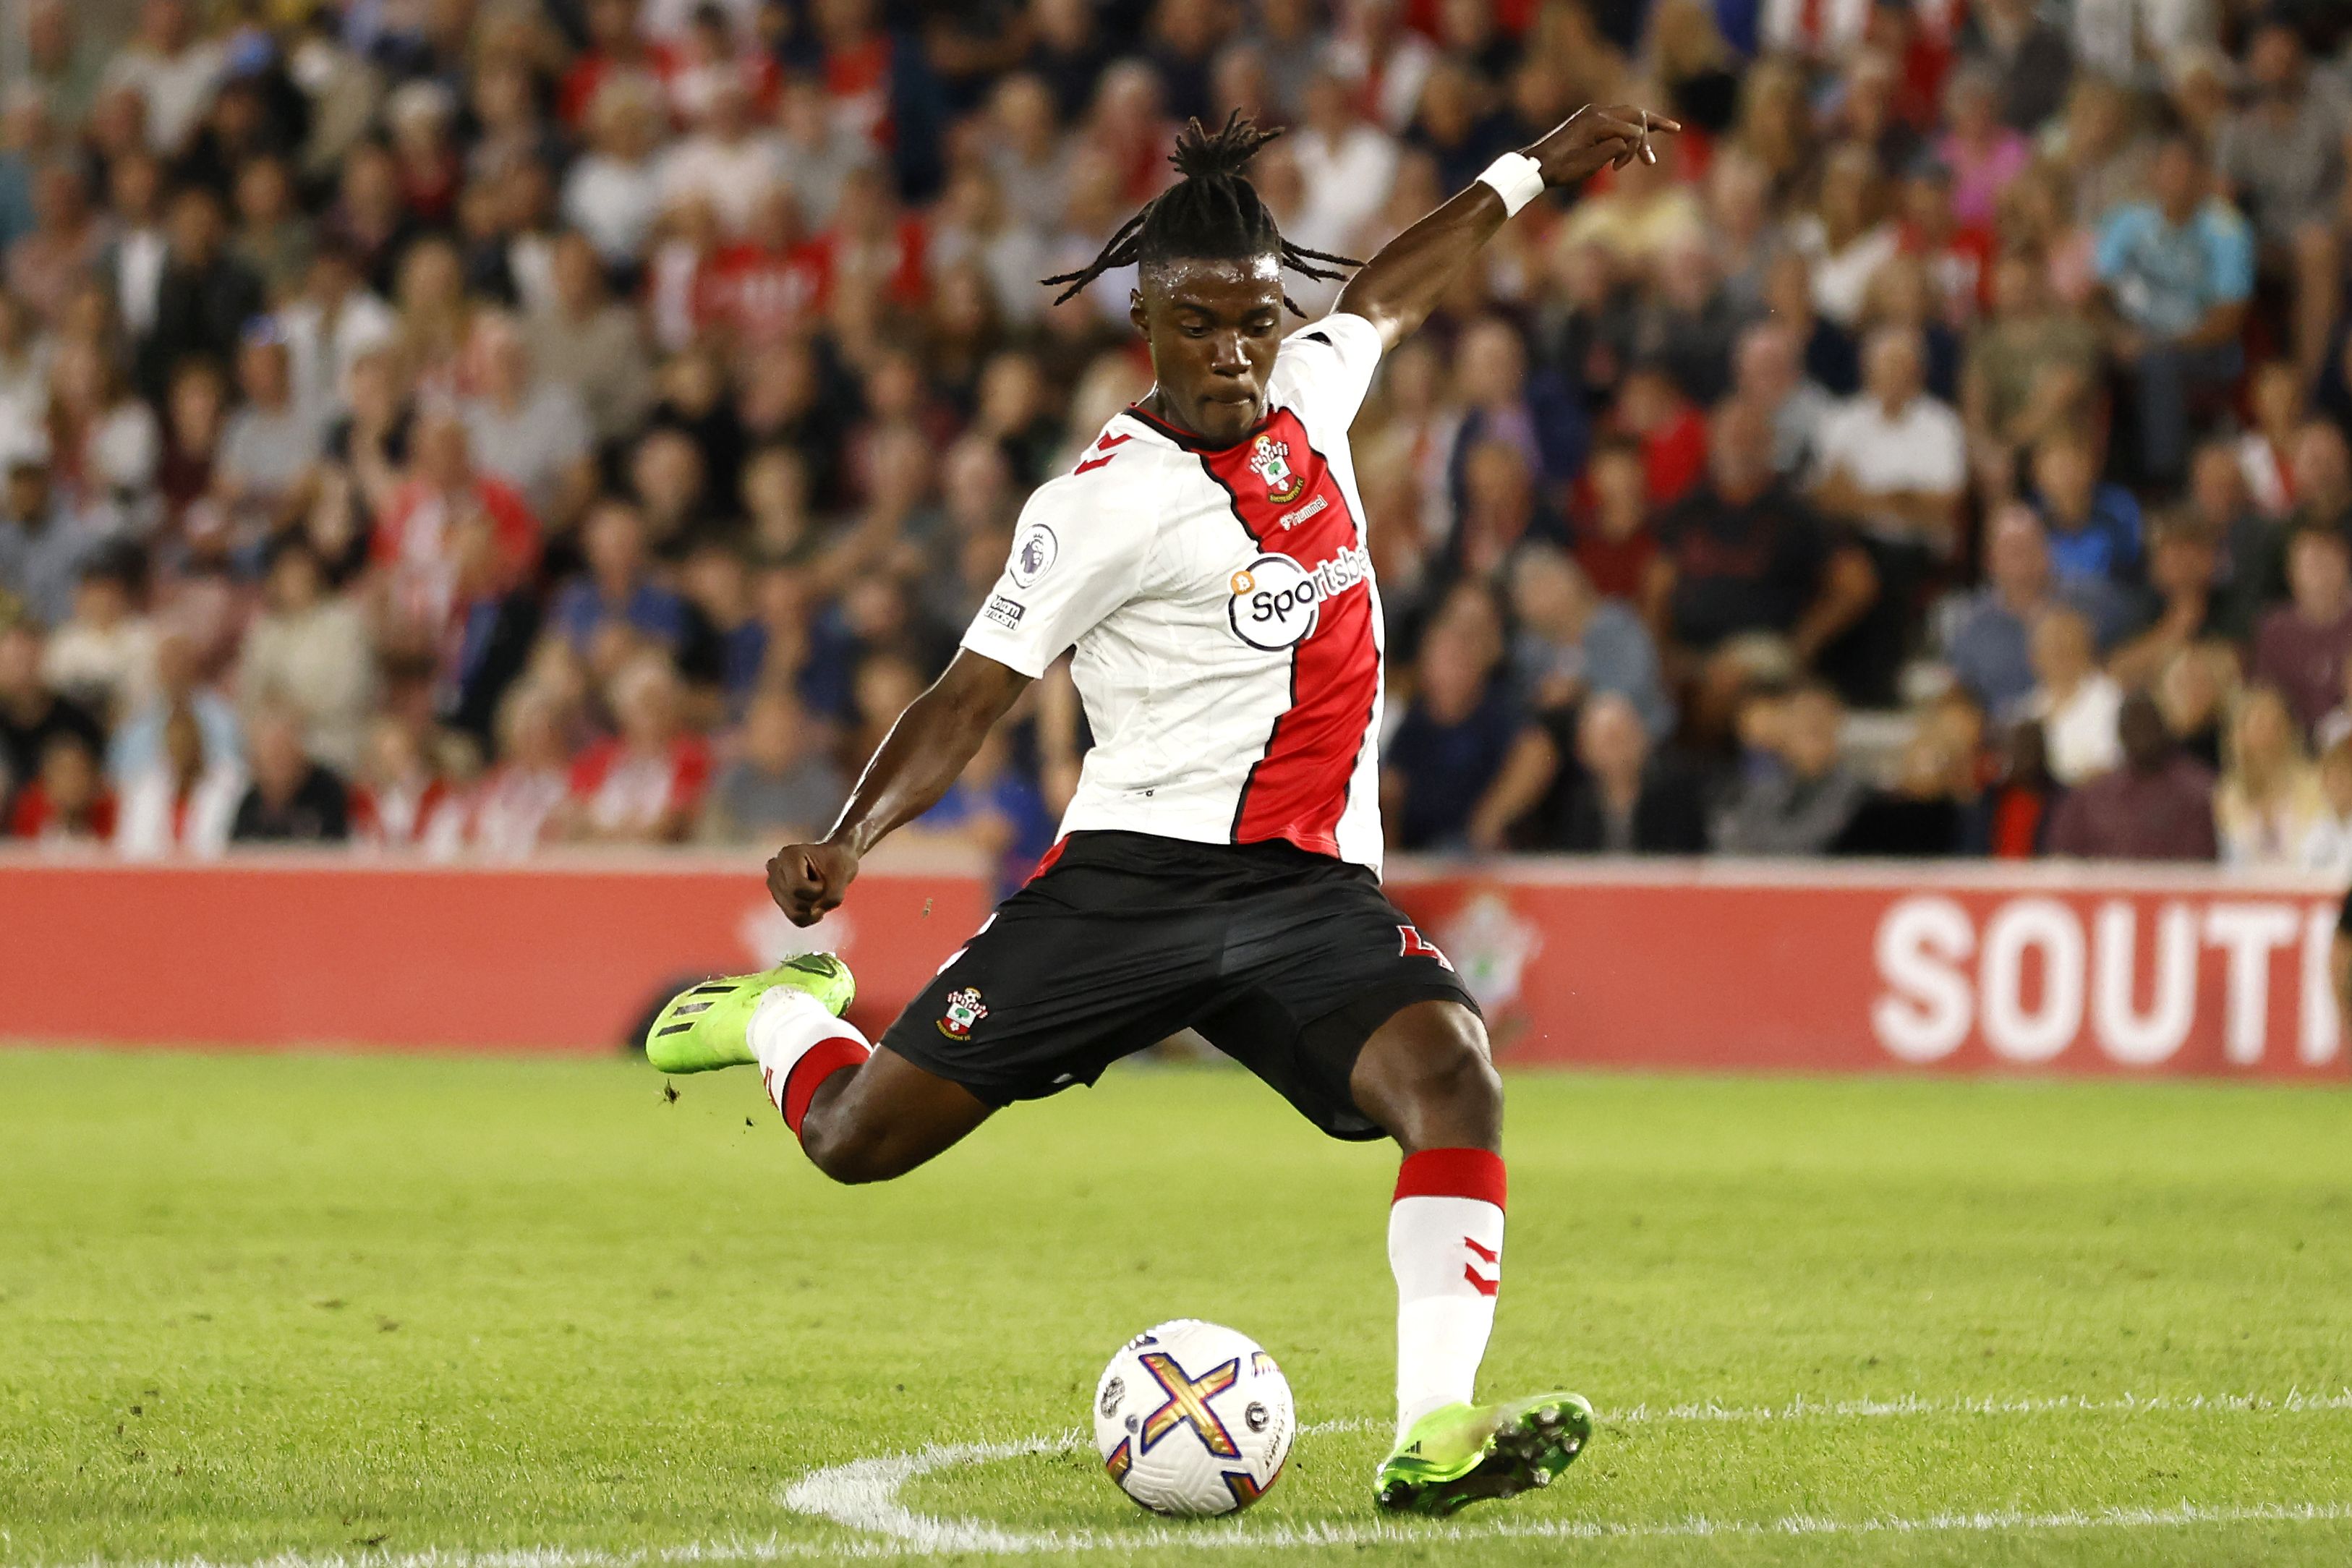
(1188, 1404)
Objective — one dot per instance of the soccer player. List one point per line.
(1218, 868)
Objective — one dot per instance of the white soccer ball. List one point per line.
(1193, 1419)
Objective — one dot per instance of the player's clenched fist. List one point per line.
(1594, 138)
(807, 879)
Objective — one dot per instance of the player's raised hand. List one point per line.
(808, 879)
(1594, 138)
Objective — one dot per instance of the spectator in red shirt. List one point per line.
(1958, 255)
(645, 785)
(1614, 543)
(1671, 431)
(2301, 646)
(68, 801)
(443, 517)
(398, 800)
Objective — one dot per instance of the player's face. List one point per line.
(1213, 327)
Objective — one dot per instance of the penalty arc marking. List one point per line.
(863, 1495)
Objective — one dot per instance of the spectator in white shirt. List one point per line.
(2076, 702)
(1769, 371)
(175, 74)
(614, 194)
(181, 802)
(328, 326)
(529, 431)
(1347, 163)
(729, 163)
(1894, 460)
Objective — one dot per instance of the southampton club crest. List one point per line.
(964, 1009)
(1270, 461)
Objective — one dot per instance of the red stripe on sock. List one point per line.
(818, 1063)
(1452, 1173)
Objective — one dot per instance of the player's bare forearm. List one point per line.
(926, 750)
(1398, 289)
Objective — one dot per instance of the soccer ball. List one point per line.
(1193, 1419)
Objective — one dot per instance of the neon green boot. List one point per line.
(1461, 1454)
(705, 1027)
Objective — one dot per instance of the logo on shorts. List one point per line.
(964, 1010)
(1415, 945)
(1033, 554)
(1270, 461)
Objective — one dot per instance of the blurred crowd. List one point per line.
(461, 427)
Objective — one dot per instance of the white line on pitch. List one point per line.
(863, 1495)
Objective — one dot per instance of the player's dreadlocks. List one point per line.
(1213, 211)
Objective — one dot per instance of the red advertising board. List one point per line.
(1709, 965)
(2071, 969)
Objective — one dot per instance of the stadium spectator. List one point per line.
(32, 715)
(2073, 699)
(2178, 270)
(1804, 803)
(2327, 849)
(645, 785)
(2269, 801)
(1626, 800)
(44, 545)
(1742, 553)
(291, 799)
(271, 442)
(103, 655)
(2301, 645)
(1893, 465)
(2031, 370)
(309, 653)
(2012, 820)
(507, 815)
(2178, 607)
(182, 803)
(2156, 806)
(1990, 644)
(781, 787)
(1614, 542)
(1465, 764)
(2093, 527)
(180, 682)
(66, 801)
(205, 297)
(1570, 643)
(1769, 372)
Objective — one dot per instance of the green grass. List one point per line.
(254, 1305)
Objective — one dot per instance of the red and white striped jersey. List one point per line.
(1222, 604)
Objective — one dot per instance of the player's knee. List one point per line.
(1458, 1075)
(1438, 1081)
(846, 1151)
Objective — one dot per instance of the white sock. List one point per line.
(799, 1045)
(1446, 1248)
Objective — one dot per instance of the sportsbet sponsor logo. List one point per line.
(2130, 978)
(1275, 600)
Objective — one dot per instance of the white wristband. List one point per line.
(1516, 178)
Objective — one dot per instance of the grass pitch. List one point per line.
(420, 1310)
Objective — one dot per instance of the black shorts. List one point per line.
(1284, 960)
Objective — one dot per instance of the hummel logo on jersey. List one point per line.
(1275, 600)
(1270, 461)
(1415, 945)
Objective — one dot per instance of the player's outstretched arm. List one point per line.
(924, 753)
(1398, 287)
